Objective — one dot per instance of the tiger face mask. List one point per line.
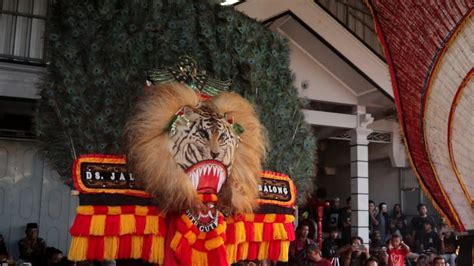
(181, 146)
(203, 144)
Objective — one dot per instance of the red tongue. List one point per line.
(208, 184)
(209, 172)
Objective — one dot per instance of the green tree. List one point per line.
(99, 52)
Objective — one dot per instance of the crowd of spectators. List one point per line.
(395, 240)
(33, 250)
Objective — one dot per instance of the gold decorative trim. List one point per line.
(452, 112)
(433, 74)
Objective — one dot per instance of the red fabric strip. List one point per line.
(140, 222)
(95, 248)
(147, 240)
(267, 232)
(253, 250)
(249, 232)
(290, 230)
(125, 247)
(101, 209)
(153, 211)
(218, 256)
(81, 225)
(230, 233)
(259, 218)
(274, 249)
(128, 209)
(280, 218)
(112, 225)
(162, 226)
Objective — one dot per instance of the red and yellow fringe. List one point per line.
(259, 237)
(193, 247)
(137, 232)
(118, 232)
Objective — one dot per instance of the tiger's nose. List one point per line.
(214, 155)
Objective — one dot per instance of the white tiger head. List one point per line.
(203, 144)
(175, 164)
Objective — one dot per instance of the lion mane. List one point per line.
(146, 136)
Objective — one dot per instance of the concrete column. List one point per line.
(360, 177)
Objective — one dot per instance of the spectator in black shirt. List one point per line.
(333, 214)
(402, 228)
(344, 212)
(429, 240)
(32, 247)
(376, 245)
(449, 244)
(418, 221)
(398, 216)
(372, 214)
(331, 245)
(53, 256)
(346, 230)
(328, 208)
(345, 222)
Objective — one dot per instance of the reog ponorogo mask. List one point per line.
(190, 190)
(183, 142)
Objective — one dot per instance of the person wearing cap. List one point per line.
(314, 256)
(32, 248)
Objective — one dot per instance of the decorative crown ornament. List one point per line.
(186, 72)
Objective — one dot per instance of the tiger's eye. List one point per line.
(203, 133)
(222, 136)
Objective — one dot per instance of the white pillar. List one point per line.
(360, 175)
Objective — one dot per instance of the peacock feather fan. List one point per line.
(101, 51)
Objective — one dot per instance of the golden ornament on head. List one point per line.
(187, 72)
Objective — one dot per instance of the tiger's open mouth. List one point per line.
(207, 176)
